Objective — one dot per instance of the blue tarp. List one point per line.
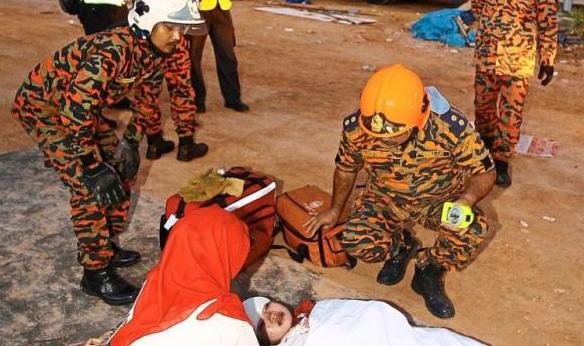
(441, 26)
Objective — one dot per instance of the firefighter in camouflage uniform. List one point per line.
(177, 74)
(510, 36)
(59, 105)
(418, 152)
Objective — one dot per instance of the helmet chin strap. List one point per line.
(158, 51)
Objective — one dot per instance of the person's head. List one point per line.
(164, 22)
(393, 103)
(270, 320)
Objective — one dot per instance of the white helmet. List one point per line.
(145, 14)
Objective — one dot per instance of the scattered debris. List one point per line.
(288, 29)
(537, 146)
(548, 218)
(368, 68)
(454, 51)
(317, 15)
(450, 26)
(559, 290)
(523, 223)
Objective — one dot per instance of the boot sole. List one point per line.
(107, 301)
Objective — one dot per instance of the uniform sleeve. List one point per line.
(476, 7)
(470, 152)
(146, 108)
(182, 94)
(83, 98)
(547, 30)
(349, 158)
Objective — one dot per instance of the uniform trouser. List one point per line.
(222, 36)
(178, 81)
(375, 232)
(94, 226)
(499, 102)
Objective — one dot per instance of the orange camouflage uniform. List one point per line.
(509, 36)
(59, 105)
(409, 184)
(177, 74)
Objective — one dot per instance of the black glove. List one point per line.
(548, 72)
(104, 183)
(127, 158)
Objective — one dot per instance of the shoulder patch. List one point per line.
(438, 103)
(351, 122)
(455, 119)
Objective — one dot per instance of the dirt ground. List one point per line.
(300, 77)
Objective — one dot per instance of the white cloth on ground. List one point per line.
(339, 322)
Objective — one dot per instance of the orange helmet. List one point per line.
(393, 101)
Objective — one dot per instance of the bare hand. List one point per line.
(326, 219)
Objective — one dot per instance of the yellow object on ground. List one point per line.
(208, 185)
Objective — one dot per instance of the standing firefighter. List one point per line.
(182, 109)
(419, 153)
(59, 105)
(510, 35)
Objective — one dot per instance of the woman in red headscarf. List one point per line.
(186, 298)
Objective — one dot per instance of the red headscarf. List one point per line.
(204, 251)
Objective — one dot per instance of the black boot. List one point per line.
(123, 258)
(394, 269)
(429, 283)
(503, 177)
(237, 106)
(158, 146)
(189, 150)
(109, 286)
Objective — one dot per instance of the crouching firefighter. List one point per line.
(421, 155)
(59, 105)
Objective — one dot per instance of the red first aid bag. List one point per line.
(255, 207)
(324, 247)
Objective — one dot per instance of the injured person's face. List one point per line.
(275, 321)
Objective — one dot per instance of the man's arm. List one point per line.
(547, 31)
(476, 7)
(547, 38)
(145, 108)
(180, 89)
(82, 100)
(478, 186)
(342, 186)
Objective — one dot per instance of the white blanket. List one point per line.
(338, 322)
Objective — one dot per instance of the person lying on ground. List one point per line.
(342, 322)
(186, 298)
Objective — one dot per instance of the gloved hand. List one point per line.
(546, 71)
(104, 183)
(127, 158)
